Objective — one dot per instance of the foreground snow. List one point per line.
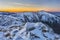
(29, 31)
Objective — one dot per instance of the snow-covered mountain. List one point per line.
(29, 26)
(55, 13)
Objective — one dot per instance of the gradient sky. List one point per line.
(21, 5)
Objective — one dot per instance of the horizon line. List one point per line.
(27, 11)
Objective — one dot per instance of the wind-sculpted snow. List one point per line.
(29, 26)
(29, 31)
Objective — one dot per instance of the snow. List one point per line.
(28, 26)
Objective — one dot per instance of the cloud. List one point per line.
(30, 3)
(23, 5)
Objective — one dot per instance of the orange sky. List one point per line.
(28, 9)
(19, 9)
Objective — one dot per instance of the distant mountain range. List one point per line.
(55, 13)
(30, 25)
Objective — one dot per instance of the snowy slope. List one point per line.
(29, 26)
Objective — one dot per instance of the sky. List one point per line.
(29, 5)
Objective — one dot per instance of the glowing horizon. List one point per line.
(29, 9)
(29, 5)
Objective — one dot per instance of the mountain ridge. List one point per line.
(30, 25)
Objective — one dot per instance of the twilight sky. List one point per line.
(21, 5)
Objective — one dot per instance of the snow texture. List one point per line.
(29, 26)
